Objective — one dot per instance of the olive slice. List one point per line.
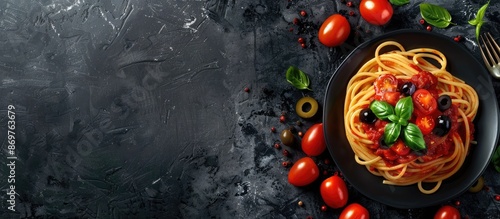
(306, 107)
(478, 186)
(408, 89)
(444, 102)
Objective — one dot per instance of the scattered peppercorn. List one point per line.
(300, 134)
(282, 118)
(291, 29)
(497, 197)
(273, 129)
(457, 203)
(429, 28)
(327, 161)
(300, 203)
(421, 21)
(351, 13)
(325, 172)
(299, 123)
(301, 40)
(286, 163)
(349, 4)
(247, 89)
(277, 145)
(286, 153)
(296, 21)
(303, 13)
(303, 45)
(324, 208)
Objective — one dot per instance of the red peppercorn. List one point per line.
(296, 21)
(421, 21)
(327, 161)
(247, 89)
(303, 45)
(282, 118)
(277, 145)
(286, 163)
(349, 4)
(456, 39)
(457, 203)
(309, 217)
(300, 134)
(429, 28)
(291, 29)
(497, 197)
(286, 153)
(300, 203)
(273, 129)
(325, 172)
(351, 13)
(303, 13)
(301, 40)
(324, 208)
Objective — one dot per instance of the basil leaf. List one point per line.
(391, 133)
(435, 15)
(381, 109)
(399, 2)
(404, 108)
(478, 21)
(297, 78)
(413, 137)
(393, 118)
(495, 160)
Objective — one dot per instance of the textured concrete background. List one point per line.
(137, 109)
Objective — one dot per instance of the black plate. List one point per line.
(460, 63)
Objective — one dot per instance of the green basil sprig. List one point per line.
(495, 160)
(399, 2)
(435, 15)
(478, 21)
(297, 78)
(399, 125)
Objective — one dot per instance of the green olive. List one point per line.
(306, 107)
(478, 186)
(286, 137)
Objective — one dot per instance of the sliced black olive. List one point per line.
(408, 89)
(420, 152)
(444, 102)
(367, 116)
(382, 143)
(443, 126)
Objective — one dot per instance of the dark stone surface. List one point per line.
(137, 109)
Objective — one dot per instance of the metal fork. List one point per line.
(491, 54)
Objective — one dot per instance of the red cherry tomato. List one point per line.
(334, 30)
(386, 83)
(377, 12)
(447, 212)
(400, 148)
(355, 211)
(334, 192)
(303, 172)
(424, 80)
(313, 142)
(424, 102)
(392, 97)
(425, 124)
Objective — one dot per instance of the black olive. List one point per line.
(382, 143)
(443, 126)
(444, 102)
(420, 152)
(408, 89)
(367, 116)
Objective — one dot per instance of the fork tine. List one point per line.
(485, 59)
(495, 48)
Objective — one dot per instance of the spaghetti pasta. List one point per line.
(400, 164)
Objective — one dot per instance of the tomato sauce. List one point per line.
(436, 146)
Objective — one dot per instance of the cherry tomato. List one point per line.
(447, 212)
(376, 12)
(392, 97)
(425, 124)
(424, 102)
(303, 172)
(400, 148)
(334, 30)
(313, 142)
(334, 192)
(354, 211)
(424, 80)
(386, 83)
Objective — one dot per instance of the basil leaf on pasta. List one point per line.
(381, 109)
(413, 137)
(404, 108)
(391, 133)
